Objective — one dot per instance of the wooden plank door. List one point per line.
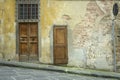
(33, 41)
(23, 42)
(28, 41)
(60, 45)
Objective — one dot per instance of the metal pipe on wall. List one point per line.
(114, 43)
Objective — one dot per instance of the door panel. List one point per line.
(60, 36)
(23, 42)
(60, 45)
(33, 29)
(24, 52)
(23, 30)
(28, 41)
(61, 53)
(33, 41)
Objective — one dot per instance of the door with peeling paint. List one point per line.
(60, 45)
(28, 41)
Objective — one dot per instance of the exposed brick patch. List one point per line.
(95, 39)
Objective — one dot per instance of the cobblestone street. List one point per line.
(15, 73)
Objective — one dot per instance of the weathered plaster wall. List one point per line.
(48, 13)
(89, 31)
(93, 35)
(7, 29)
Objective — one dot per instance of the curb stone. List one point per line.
(78, 71)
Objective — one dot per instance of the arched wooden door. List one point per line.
(28, 41)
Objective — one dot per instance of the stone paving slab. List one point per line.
(6, 78)
(79, 71)
(25, 74)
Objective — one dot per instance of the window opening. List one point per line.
(27, 11)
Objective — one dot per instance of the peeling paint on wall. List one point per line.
(95, 35)
(89, 31)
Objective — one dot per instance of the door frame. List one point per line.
(17, 21)
(66, 40)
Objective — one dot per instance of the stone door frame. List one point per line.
(27, 20)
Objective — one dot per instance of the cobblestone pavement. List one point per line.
(15, 73)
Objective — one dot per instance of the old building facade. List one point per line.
(76, 33)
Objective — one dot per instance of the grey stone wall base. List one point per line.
(79, 71)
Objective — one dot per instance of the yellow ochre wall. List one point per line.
(7, 29)
(89, 31)
(55, 12)
(48, 14)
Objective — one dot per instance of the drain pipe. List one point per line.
(114, 43)
(115, 12)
